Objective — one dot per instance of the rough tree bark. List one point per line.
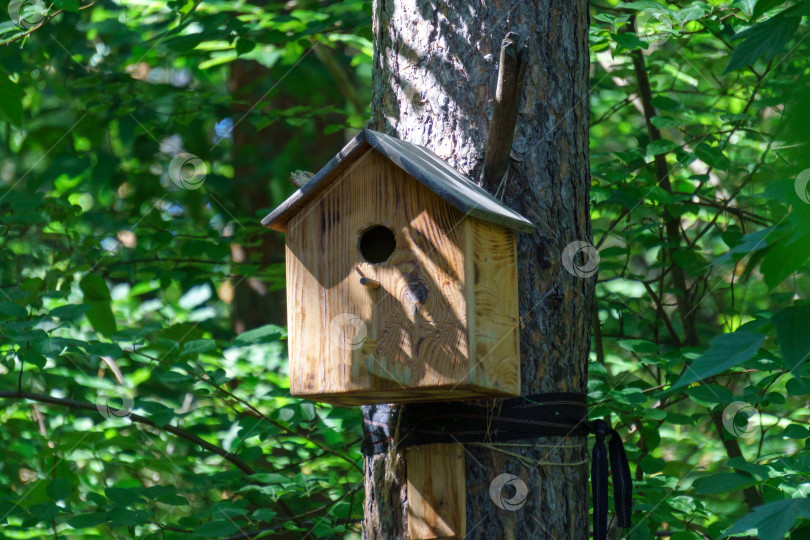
(435, 71)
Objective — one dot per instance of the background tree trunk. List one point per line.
(260, 157)
(435, 71)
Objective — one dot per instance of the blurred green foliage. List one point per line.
(116, 275)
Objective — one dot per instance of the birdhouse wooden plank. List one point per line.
(437, 507)
(401, 280)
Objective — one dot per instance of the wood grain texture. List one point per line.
(436, 497)
(408, 339)
(511, 69)
(492, 255)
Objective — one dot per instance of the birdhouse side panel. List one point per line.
(493, 310)
(407, 337)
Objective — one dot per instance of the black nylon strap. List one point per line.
(541, 415)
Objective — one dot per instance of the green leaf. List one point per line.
(263, 514)
(264, 334)
(763, 40)
(773, 520)
(158, 413)
(103, 349)
(59, 489)
(799, 386)
(722, 483)
(126, 517)
(661, 146)
(654, 414)
(123, 496)
(666, 122)
(198, 346)
(68, 5)
(94, 288)
(11, 97)
(710, 393)
(725, 351)
(629, 40)
(173, 500)
(101, 318)
(712, 156)
(757, 470)
(33, 358)
(795, 431)
(652, 465)
(185, 43)
(639, 5)
(792, 333)
(783, 259)
(70, 311)
(269, 478)
(747, 6)
(638, 346)
(307, 411)
(44, 512)
(97, 296)
(691, 261)
(12, 310)
(666, 103)
(215, 528)
(765, 5)
(244, 46)
(83, 521)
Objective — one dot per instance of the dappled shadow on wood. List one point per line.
(412, 336)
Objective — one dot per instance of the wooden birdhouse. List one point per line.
(401, 280)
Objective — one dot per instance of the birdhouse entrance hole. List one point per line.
(377, 243)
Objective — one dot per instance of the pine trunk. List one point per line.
(435, 71)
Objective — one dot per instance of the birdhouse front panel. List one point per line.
(401, 280)
(412, 337)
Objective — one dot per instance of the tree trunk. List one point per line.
(253, 304)
(434, 80)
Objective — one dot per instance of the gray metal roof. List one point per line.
(422, 164)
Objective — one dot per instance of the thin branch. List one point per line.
(207, 379)
(41, 23)
(663, 314)
(671, 224)
(85, 406)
